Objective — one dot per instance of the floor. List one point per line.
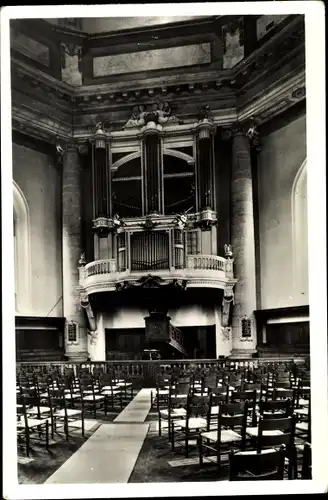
(124, 448)
(110, 454)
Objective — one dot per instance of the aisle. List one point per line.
(110, 454)
(137, 410)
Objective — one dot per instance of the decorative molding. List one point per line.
(159, 113)
(125, 159)
(225, 333)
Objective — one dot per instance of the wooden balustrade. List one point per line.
(145, 373)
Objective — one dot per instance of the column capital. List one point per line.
(63, 147)
(247, 128)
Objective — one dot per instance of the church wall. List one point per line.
(283, 152)
(39, 180)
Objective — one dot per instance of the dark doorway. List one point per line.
(124, 343)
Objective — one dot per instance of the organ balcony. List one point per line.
(156, 246)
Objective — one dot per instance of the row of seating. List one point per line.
(245, 415)
(46, 403)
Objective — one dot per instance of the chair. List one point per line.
(196, 420)
(110, 391)
(219, 395)
(91, 397)
(231, 430)
(62, 414)
(284, 394)
(27, 427)
(253, 466)
(276, 432)
(176, 403)
(250, 396)
(303, 425)
(275, 409)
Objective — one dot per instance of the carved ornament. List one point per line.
(159, 113)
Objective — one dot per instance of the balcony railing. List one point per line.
(206, 262)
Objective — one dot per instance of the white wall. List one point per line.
(39, 180)
(283, 153)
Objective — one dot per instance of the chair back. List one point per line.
(267, 437)
(209, 380)
(182, 386)
(275, 409)
(268, 465)
(199, 406)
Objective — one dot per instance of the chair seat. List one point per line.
(32, 422)
(227, 436)
(193, 423)
(303, 402)
(71, 396)
(176, 412)
(34, 410)
(124, 384)
(70, 413)
(255, 452)
(97, 397)
(109, 388)
(301, 411)
(302, 426)
(178, 396)
(254, 431)
(163, 392)
(110, 393)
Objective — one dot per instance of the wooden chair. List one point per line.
(250, 396)
(196, 420)
(30, 429)
(276, 432)
(178, 394)
(231, 430)
(253, 466)
(219, 395)
(110, 391)
(91, 397)
(63, 415)
(303, 424)
(283, 394)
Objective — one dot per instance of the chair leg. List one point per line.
(159, 425)
(82, 417)
(47, 435)
(186, 445)
(172, 437)
(66, 427)
(200, 449)
(27, 442)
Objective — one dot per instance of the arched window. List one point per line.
(22, 253)
(300, 234)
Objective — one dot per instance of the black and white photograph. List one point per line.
(165, 318)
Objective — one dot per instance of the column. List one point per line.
(205, 130)
(75, 320)
(243, 244)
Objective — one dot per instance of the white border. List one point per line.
(315, 82)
